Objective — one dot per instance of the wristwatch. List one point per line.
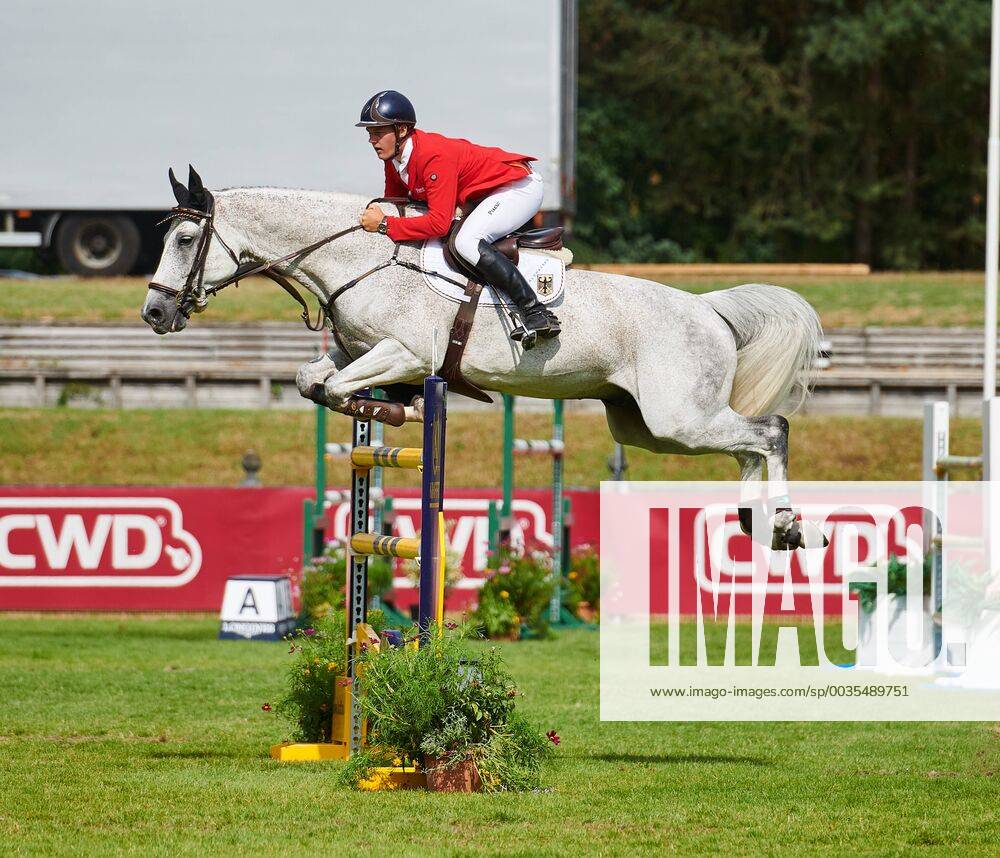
(383, 227)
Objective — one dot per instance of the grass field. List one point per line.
(204, 447)
(132, 735)
(932, 298)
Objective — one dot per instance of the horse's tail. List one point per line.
(778, 336)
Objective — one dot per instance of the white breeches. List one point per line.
(508, 207)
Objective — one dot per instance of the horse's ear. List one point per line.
(199, 196)
(181, 194)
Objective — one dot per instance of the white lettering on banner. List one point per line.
(73, 535)
(152, 544)
(8, 524)
(145, 533)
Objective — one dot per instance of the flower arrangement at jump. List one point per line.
(451, 710)
(582, 592)
(444, 706)
(896, 574)
(514, 600)
(515, 596)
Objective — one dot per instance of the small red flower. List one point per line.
(309, 632)
(451, 626)
(344, 681)
(266, 707)
(373, 641)
(553, 737)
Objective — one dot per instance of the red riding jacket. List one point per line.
(445, 172)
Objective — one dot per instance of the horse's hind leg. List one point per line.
(628, 427)
(751, 488)
(752, 441)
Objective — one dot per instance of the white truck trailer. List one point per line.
(98, 99)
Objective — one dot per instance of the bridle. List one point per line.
(193, 296)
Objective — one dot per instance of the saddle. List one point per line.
(546, 238)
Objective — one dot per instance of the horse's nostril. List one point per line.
(154, 315)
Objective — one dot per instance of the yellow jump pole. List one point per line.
(387, 457)
(439, 576)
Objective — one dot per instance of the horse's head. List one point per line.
(190, 259)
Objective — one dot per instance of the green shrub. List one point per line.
(583, 581)
(319, 657)
(524, 582)
(495, 614)
(867, 591)
(440, 701)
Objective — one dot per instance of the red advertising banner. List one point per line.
(171, 549)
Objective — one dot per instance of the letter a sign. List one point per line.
(257, 608)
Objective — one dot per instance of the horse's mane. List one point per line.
(310, 193)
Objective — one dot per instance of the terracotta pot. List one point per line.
(445, 774)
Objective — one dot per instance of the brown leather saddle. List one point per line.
(547, 238)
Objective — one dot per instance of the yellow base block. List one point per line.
(307, 752)
(394, 777)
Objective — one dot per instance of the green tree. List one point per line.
(793, 129)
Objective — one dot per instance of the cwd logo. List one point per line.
(95, 542)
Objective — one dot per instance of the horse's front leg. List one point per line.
(311, 376)
(388, 362)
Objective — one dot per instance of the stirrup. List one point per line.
(527, 339)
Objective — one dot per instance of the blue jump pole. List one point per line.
(432, 502)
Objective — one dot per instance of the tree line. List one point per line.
(819, 130)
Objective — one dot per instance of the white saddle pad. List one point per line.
(544, 270)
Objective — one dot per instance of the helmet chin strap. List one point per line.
(399, 142)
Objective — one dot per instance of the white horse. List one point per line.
(677, 372)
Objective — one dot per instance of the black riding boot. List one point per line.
(501, 273)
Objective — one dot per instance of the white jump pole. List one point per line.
(992, 215)
(991, 405)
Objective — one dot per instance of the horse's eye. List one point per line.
(184, 240)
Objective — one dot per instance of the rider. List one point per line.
(445, 171)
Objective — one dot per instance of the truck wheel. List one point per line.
(98, 245)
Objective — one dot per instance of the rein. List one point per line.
(193, 295)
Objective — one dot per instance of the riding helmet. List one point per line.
(387, 107)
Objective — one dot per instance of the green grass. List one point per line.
(129, 735)
(931, 298)
(204, 447)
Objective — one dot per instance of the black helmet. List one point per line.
(387, 107)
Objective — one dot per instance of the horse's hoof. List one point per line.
(316, 393)
(802, 534)
(787, 540)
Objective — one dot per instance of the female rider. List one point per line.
(443, 172)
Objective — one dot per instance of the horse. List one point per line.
(677, 372)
